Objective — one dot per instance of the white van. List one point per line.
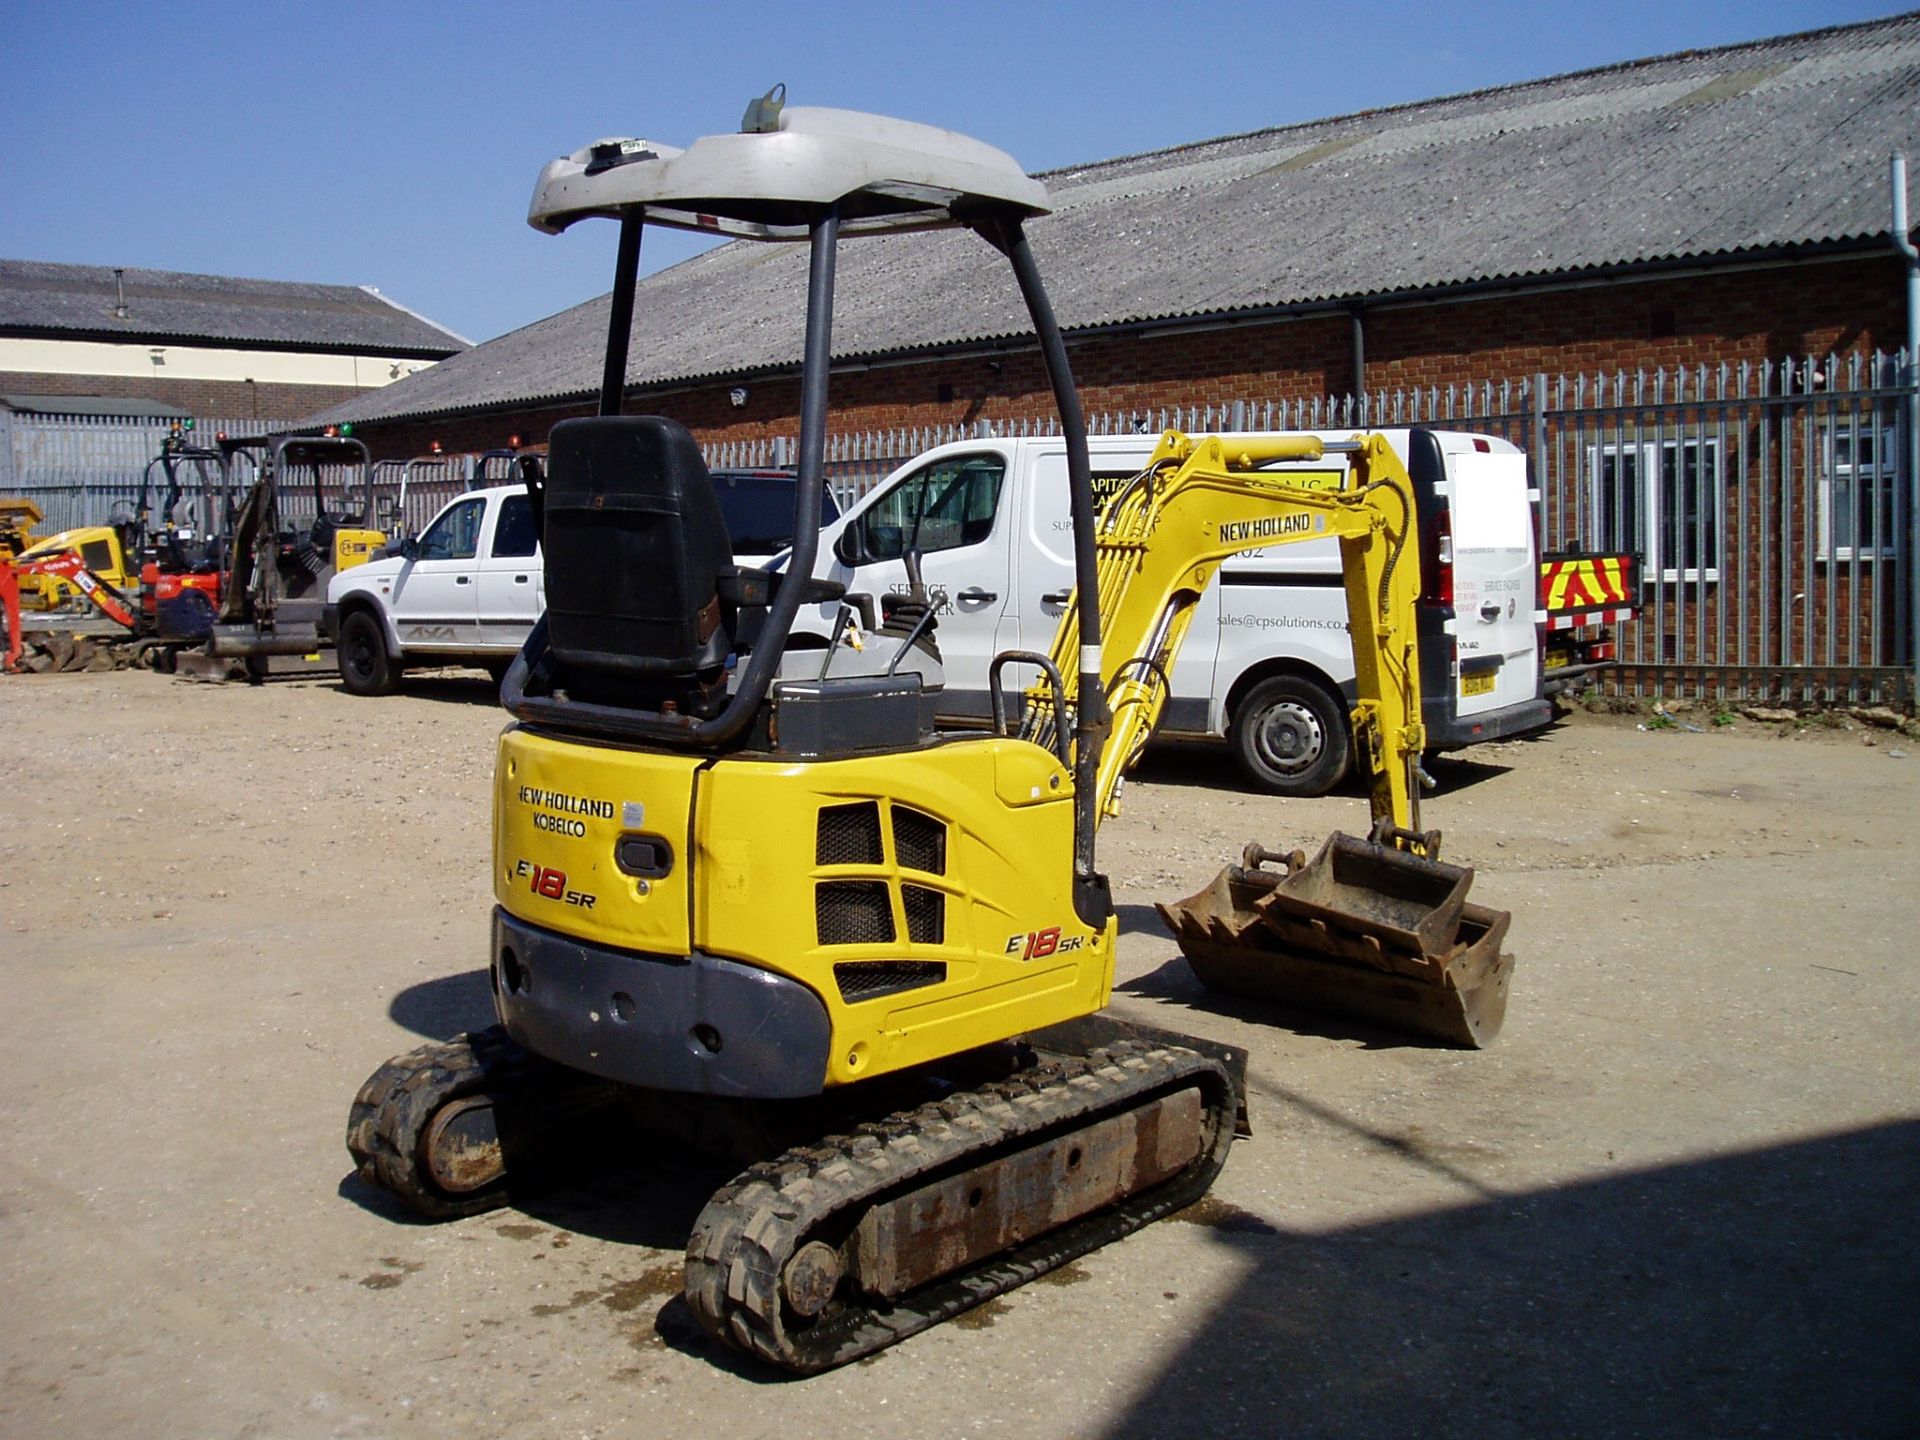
(1267, 663)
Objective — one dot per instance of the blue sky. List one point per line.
(396, 145)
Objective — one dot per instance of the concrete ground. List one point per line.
(1676, 1198)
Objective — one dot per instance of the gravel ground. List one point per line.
(1676, 1198)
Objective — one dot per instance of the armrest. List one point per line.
(746, 587)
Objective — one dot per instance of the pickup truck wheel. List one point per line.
(1289, 735)
(365, 666)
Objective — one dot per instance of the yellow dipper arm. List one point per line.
(1160, 543)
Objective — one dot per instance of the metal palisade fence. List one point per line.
(78, 468)
(1772, 506)
(88, 469)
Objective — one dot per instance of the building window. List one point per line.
(1859, 474)
(1660, 500)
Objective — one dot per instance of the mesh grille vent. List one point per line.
(868, 980)
(919, 841)
(848, 834)
(852, 912)
(926, 914)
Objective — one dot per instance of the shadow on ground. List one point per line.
(449, 687)
(1140, 920)
(442, 1008)
(1174, 983)
(1197, 765)
(1762, 1293)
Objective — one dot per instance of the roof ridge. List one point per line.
(408, 310)
(1618, 67)
(133, 272)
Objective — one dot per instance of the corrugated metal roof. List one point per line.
(41, 298)
(1775, 145)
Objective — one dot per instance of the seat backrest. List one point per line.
(633, 548)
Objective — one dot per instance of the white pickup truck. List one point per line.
(1267, 663)
(469, 589)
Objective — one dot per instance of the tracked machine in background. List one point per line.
(277, 559)
(748, 894)
(153, 571)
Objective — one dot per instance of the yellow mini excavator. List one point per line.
(750, 897)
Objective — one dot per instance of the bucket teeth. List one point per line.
(1364, 931)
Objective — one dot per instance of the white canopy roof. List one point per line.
(770, 184)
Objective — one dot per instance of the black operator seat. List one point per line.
(635, 551)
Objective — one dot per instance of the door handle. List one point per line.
(1489, 613)
(1056, 597)
(461, 579)
(975, 593)
(519, 579)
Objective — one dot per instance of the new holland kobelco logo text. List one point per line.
(567, 804)
(1272, 527)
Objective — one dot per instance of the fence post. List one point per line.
(1549, 509)
(1910, 362)
(7, 481)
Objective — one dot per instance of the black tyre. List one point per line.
(365, 666)
(1289, 735)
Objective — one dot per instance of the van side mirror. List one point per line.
(848, 550)
(410, 546)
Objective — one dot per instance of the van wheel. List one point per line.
(365, 666)
(1289, 735)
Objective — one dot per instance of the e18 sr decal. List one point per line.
(551, 884)
(1038, 944)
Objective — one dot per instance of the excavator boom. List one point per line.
(69, 566)
(1378, 929)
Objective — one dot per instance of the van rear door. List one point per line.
(1494, 577)
(1480, 649)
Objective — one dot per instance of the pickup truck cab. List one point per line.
(1267, 663)
(468, 590)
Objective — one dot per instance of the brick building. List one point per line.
(204, 345)
(1674, 219)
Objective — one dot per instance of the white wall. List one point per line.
(192, 362)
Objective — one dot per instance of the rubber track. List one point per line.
(750, 1228)
(399, 1100)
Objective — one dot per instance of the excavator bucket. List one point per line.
(1364, 930)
